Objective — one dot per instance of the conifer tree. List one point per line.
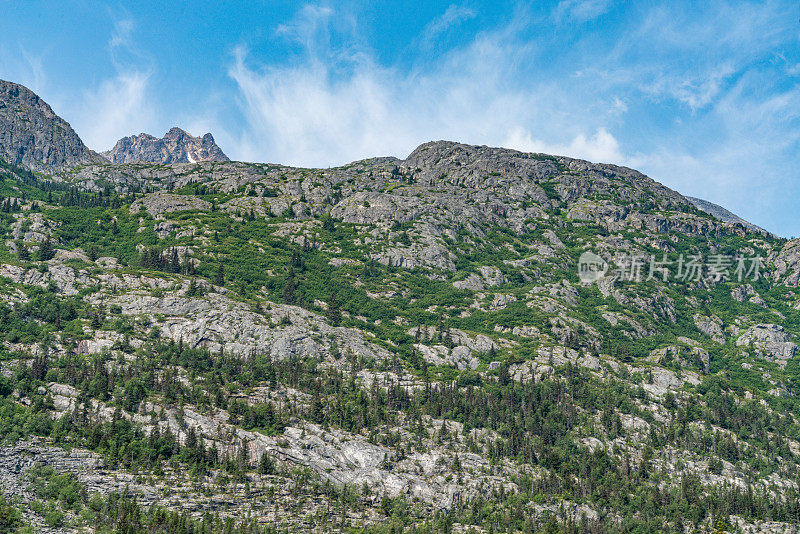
(288, 289)
(333, 313)
(46, 251)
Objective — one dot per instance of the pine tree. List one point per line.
(46, 251)
(317, 409)
(22, 251)
(39, 367)
(288, 289)
(333, 313)
(174, 262)
(219, 279)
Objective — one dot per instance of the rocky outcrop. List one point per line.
(689, 353)
(160, 202)
(33, 136)
(768, 340)
(219, 323)
(489, 277)
(66, 279)
(176, 146)
(460, 357)
(427, 250)
(711, 326)
(787, 263)
(32, 228)
(746, 293)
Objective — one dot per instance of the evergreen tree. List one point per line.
(22, 251)
(333, 313)
(289, 288)
(266, 465)
(219, 279)
(39, 367)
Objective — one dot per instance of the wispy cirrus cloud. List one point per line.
(117, 107)
(323, 111)
(689, 82)
(21, 65)
(454, 15)
(581, 10)
(702, 97)
(122, 104)
(121, 35)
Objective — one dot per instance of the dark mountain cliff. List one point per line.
(176, 146)
(31, 134)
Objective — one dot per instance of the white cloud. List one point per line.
(697, 90)
(451, 17)
(333, 108)
(118, 107)
(121, 104)
(38, 77)
(23, 66)
(309, 28)
(581, 10)
(599, 147)
(121, 35)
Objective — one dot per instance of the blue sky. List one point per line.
(703, 97)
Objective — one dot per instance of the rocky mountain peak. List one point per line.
(31, 134)
(177, 146)
(567, 179)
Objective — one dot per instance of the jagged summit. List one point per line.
(177, 146)
(31, 134)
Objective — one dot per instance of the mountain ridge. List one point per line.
(45, 152)
(722, 213)
(393, 345)
(31, 134)
(177, 146)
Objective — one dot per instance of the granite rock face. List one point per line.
(787, 263)
(217, 323)
(711, 326)
(177, 146)
(159, 203)
(768, 340)
(32, 135)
